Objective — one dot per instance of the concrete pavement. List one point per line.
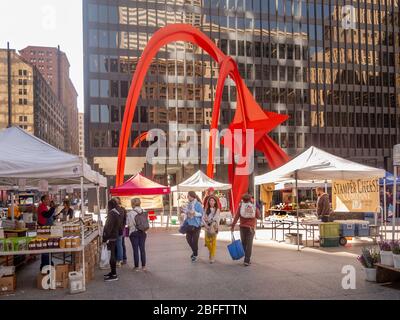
(278, 271)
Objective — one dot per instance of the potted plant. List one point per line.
(396, 254)
(368, 259)
(386, 253)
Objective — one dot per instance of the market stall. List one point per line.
(147, 190)
(200, 182)
(315, 164)
(26, 160)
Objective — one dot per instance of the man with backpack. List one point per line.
(248, 215)
(138, 223)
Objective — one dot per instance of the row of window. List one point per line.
(22, 82)
(351, 119)
(110, 138)
(289, 8)
(41, 53)
(22, 102)
(23, 119)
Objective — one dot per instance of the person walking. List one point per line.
(138, 224)
(110, 236)
(121, 248)
(194, 217)
(248, 215)
(211, 221)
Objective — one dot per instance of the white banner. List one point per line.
(22, 184)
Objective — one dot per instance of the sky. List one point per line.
(46, 23)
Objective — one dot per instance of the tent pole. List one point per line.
(326, 186)
(82, 200)
(383, 222)
(394, 202)
(170, 210)
(12, 206)
(98, 203)
(297, 213)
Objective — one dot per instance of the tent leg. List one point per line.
(12, 207)
(170, 211)
(297, 214)
(383, 222)
(82, 199)
(98, 203)
(394, 202)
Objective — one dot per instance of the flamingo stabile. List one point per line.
(249, 115)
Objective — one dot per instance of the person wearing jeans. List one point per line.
(121, 252)
(137, 237)
(194, 217)
(110, 236)
(248, 215)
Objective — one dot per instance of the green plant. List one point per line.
(396, 247)
(369, 257)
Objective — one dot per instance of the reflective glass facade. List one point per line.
(332, 66)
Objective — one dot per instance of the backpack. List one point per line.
(247, 210)
(142, 221)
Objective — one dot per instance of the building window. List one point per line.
(104, 114)
(94, 114)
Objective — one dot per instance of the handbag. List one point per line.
(236, 249)
(105, 257)
(184, 227)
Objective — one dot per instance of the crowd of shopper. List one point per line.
(197, 214)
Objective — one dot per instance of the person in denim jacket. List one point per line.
(194, 217)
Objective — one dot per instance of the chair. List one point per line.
(152, 217)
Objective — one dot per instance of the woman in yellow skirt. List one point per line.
(211, 224)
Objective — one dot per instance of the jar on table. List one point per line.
(62, 243)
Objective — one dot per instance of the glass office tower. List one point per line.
(332, 66)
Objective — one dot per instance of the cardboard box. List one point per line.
(8, 284)
(62, 271)
(62, 284)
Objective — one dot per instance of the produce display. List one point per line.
(59, 236)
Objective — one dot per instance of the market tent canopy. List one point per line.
(316, 164)
(200, 182)
(24, 156)
(290, 184)
(139, 185)
(389, 179)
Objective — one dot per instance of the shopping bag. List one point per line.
(184, 227)
(105, 257)
(236, 249)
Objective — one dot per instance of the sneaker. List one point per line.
(194, 258)
(119, 264)
(212, 261)
(112, 277)
(136, 269)
(144, 269)
(246, 264)
(107, 275)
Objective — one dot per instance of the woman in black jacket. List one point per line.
(110, 236)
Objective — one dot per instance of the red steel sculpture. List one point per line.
(249, 115)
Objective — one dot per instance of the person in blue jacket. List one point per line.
(194, 217)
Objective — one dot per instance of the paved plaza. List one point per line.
(278, 271)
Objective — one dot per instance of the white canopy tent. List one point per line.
(316, 164)
(198, 182)
(26, 157)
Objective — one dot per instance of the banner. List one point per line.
(43, 186)
(180, 199)
(360, 195)
(146, 202)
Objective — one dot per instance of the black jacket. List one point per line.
(122, 213)
(112, 227)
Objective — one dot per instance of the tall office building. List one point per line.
(53, 64)
(81, 134)
(332, 66)
(28, 101)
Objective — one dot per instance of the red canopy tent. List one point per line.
(139, 185)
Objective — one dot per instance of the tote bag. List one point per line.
(236, 249)
(105, 257)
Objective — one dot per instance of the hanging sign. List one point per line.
(70, 190)
(43, 186)
(360, 195)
